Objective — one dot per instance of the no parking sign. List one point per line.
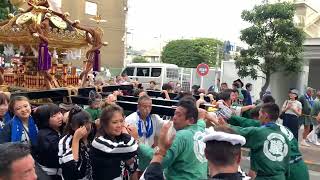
(202, 70)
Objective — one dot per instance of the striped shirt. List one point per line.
(113, 159)
(71, 169)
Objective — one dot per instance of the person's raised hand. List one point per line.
(164, 91)
(211, 97)
(202, 114)
(166, 137)
(221, 121)
(212, 118)
(133, 131)
(80, 133)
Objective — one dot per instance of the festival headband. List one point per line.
(212, 135)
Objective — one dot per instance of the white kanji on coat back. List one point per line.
(275, 147)
(199, 146)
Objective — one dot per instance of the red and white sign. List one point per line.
(202, 69)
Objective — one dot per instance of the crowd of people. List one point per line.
(104, 141)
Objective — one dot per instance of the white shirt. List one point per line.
(25, 137)
(1, 124)
(157, 122)
(295, 105)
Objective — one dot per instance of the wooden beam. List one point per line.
(156, 109)
(112, 88)
(162, 102)
(130, 106)
(172, 95)
(85, 91)
(53, 93)
(160, 94)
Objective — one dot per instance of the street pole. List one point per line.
(201, 84)
(216, 70)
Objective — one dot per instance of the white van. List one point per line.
(159, 72)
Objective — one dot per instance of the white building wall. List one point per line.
(229, 74)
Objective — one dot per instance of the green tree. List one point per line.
(275, 44)
(5, 9)
(189, 53)
(139, 59)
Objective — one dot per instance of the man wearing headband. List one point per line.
(223, 151)
(270, 147)
(298, 169)
(185, 159)
(148, 125)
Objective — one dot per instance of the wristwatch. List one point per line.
(158, 151)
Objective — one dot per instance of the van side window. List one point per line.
(172, 73)
(143, 72)
(129, 71)
(155, 72)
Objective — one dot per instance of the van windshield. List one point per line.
(128, 71)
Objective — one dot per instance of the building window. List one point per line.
(91, 8)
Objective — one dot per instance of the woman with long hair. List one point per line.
(291, 110)
(50, 123)
(74, 146)
(5, 116)
(114, 151)
(22, 127)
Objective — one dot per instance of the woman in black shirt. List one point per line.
(50, 122)
(114, 151)
(74, 146)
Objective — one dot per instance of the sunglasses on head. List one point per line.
(76, 109)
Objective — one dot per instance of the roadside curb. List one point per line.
(313, 166)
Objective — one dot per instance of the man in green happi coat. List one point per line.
(269, 146)
(185, 159)
(297, 168)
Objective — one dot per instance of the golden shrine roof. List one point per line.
(20, 29)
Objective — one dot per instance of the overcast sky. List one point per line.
(175, 19)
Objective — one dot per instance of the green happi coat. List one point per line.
(269, 150)
(185, 160)
(298, 169)
(94, 113)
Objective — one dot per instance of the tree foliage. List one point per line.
(139, 59)
(275, 44)
(5, 9)
(189, 53)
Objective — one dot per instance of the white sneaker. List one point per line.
(317, 143)
(304, 143)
